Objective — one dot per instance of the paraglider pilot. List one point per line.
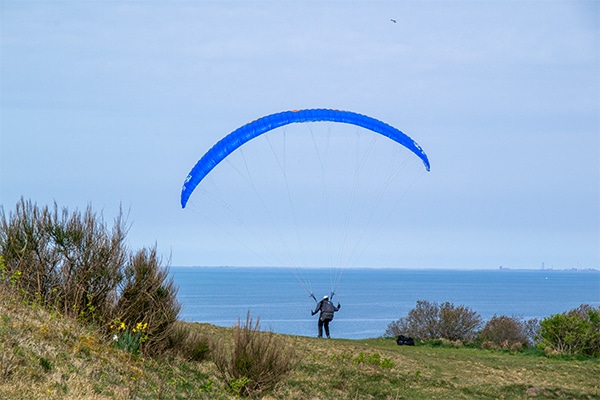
(327, 310)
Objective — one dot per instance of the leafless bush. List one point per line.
(397, 328)
(257, 360)
(457, 322)
(505, 332)
(532, 330)
(433, 321)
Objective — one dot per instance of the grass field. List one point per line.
(46, 356)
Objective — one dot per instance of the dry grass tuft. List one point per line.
(256, 361)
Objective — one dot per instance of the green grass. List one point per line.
(46, 356)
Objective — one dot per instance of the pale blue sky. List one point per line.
(112, 103)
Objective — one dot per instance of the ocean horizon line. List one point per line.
(500, 268)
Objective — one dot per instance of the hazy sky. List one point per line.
(109, 103)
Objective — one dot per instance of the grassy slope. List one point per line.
(44, 356)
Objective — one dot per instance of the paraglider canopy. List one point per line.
(253, 129)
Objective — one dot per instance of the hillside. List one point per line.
(46, 356)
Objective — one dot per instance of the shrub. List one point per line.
(149, 296)
(432, 321)
(505, 332)
(70, 261)
(574, 332)
(257, 360)
(74, 263)
(457, 322)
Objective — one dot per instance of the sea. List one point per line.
(371, 299)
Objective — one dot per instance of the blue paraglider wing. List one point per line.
(249, 131)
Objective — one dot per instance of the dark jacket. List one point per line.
(327, 309)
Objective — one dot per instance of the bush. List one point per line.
(574, 332)
(256, 362)
(148, 296)
(432, 321)
(73, 263)
(505, 332)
